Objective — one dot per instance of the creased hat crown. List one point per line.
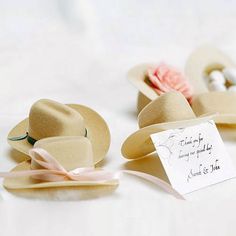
(48, 118)
(71, 152)
(169, 107)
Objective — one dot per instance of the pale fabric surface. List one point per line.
(79, 51)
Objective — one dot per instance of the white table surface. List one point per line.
(79, 52)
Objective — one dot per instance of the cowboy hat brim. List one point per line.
(139, 144)
(97, 132)
(222, 103)
(29, 183)
(203, 60)
(137, 76)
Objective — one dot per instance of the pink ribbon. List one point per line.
(53, 171)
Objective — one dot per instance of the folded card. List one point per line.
(193, 157)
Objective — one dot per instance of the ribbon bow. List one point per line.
(53, 171)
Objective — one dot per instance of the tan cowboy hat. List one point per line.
(138, 77)
(70, 152)
(201, 62)
(48, 118)
(222, 103)
(169, 111)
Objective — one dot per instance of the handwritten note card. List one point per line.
(193, 157)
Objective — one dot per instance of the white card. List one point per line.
(193, 157)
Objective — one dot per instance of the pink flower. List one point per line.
(165, 79)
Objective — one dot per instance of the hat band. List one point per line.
(31, 140)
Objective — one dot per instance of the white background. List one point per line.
(79, 52)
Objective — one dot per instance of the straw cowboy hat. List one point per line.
(201, 62)
(169, 111)
(58, 162)
(48, 118)
(138, 77)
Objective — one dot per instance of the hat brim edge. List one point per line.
(29, 183)
(136, 75)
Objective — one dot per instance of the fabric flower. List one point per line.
(165, 78)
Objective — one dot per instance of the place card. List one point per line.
(193, 157)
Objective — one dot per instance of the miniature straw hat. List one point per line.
(169, 111)
(138, 77)
(70, 152)
(48, 118)
(201, 62)
(222, 103)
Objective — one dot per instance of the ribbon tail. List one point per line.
(158, 182)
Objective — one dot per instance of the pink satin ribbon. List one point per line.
(53, 171)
